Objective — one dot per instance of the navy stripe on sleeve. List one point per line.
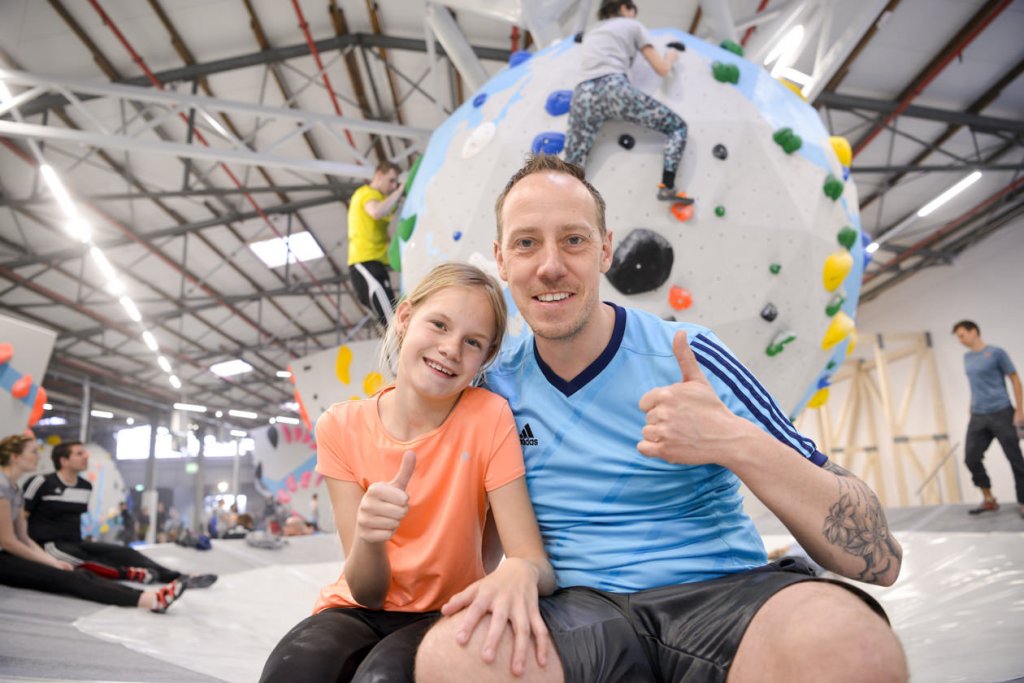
(731, 372)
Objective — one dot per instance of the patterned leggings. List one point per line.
(613, 97)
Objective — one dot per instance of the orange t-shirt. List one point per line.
(436, 551)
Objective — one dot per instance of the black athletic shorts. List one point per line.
(686, 633)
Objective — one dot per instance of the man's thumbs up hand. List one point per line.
(687, 424)
(385, 504)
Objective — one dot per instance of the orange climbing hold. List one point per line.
(6, 352)
(682, 212)
(21, 386)
(37, 408)
(679, 298)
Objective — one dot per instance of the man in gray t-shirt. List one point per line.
(993, 416)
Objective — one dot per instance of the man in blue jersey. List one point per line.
(637, 433)
(992, 415)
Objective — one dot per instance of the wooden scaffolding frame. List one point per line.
(869, 433)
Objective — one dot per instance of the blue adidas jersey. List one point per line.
(612, 518)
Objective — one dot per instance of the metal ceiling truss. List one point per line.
(165, 104)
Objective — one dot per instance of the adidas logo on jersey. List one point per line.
(526, 437)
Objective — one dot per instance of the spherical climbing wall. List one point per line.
(770, 256)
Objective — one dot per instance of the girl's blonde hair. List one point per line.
(11, 446)
(441, 277)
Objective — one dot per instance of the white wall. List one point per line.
(986, 285)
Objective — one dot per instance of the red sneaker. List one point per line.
(986, 506)
(166, 596)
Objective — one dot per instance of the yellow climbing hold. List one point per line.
(852, 344)
(841, 146)
(792, 87)
(819, 398)
(837, 267)
(838, 330)
(372, 383)
(342, 363)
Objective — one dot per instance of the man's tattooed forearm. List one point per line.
(856, 524)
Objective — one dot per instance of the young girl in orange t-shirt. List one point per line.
(412, 473)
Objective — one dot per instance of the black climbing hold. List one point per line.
(626, 141)
(578, 38)
(677, 45)
(642, 262)
(720, 152)
(769, 312)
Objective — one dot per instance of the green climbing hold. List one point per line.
(775, 268)
(403, 233)
(779, 342)
(788, 140)
(411, 175)
(833, 187)
(732, 46)
(406, 226)
(847, 237)
(831, 365)
(719, 211)
(725, 73)
(835, 303)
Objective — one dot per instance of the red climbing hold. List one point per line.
(679, 298)
(682, 212)
(37, 409)
(21, 386)
(6, 352)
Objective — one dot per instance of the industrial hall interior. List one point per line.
(518, 340)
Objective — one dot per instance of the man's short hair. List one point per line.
(967, 325)
(386, 167)
(539, 163)
(62, 451)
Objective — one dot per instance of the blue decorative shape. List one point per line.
(548, 142)
(865, 240)
(479, 100)
(558, 102)
(518, 57)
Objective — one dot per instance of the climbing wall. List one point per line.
(24, 354)
(771, 254)
(286, 454)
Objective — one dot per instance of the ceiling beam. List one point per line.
(946, 54)
(271, 56)
(987, 124)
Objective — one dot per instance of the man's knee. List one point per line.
(852, 641)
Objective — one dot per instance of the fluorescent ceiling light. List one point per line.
(287, 420)
(59, 192)
(872, 248)
(150, 340)
(132, 309)
(55, 421)
(175, 382)
(243, 413)
(219, 413)
(190, 407)
(284, 373)
(949, 194)
(164, 364)
(230, 368)
(272, 420)
(105, 414)
(130, 421)
(239, 433)
(47, 406)
(79, 228)
(276, 252)
(290, 406)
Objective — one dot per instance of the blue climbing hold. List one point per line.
(479, 100)
(558, 102)
(518, 57)
(548, 142)
(457, 235)
(823, 382)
